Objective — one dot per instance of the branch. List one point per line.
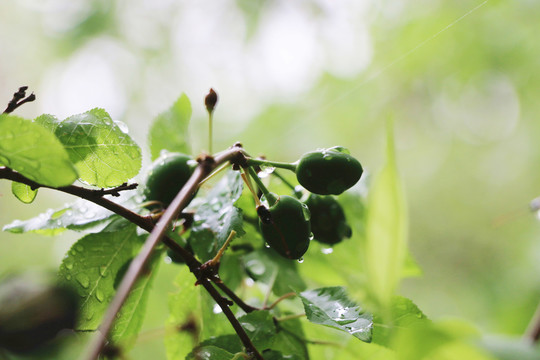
(206, 165)
(19, 98)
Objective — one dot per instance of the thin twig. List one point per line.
(281, 298)
(19, 98)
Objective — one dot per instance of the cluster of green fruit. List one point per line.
(288, 223)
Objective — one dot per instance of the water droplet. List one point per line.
(103, 271)
(217, 309)
(266, 245)
(122, 126)
(99, 295)
(301, 260)
(68, 265)
(265, 171)
(167, 260)
(306, 212)
(68, 277)
(340, 149)
(327, 251)
(249, 327)
(83, 279)
(256, 267)
(311, 236)
(89, 316)
(79, 247)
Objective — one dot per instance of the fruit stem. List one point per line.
(277, 164)
(271, 198)
(297, 193)
(250, 187)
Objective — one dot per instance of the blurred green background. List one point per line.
(459, 78)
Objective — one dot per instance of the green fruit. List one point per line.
(286, 227)
(33, 311)
(328, 222)
(328, 171)
(168, 174)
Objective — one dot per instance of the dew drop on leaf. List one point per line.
(79, 247)
(249, 327)
(103, 271)
(99, 295)
(83, 279)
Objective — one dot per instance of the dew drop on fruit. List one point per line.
(311, 236)
(301, 260)
(306, 212)
(340, 149)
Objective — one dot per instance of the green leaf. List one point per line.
(169, 130)
(267, 266)
(332, 307)
(260, 327)
(23, 192)
(91, 267)
(403, 314)
(102, 152)
(289, 340)
(210, 352)
(386, 231)
(184, 317)
(33, 151)
(217, 216)
(80, 215)
(130, 318)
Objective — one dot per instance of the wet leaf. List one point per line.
(102, 151)
(32, 150)
(332, 307)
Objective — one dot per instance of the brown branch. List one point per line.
(206, 165)
(19, 98)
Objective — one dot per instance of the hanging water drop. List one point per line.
(311, 236)
(301, 260)
(265, 171)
